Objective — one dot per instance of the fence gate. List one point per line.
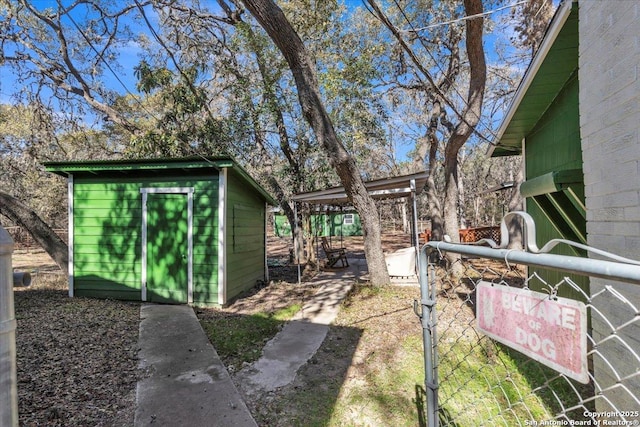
(505, 345)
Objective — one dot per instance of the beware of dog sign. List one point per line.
(551, 331)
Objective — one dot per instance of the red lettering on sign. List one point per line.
(551, 331)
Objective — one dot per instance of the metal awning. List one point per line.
(550, 182)
(385, 188)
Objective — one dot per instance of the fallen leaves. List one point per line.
(76, 358)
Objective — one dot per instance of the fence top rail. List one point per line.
(614, 268)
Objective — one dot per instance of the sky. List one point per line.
(123, 79)
(130, 53)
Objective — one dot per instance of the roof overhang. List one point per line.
(553, 65)
(136, 167)
(105, 167)
(385, 188)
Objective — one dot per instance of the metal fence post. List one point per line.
(8, 380)
(427, 319)
(472, 379)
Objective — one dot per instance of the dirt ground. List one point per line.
(77, 358)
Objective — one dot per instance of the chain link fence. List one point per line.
(473, 379)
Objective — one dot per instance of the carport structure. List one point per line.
(405, 186)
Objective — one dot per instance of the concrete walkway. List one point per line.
(301, 337)
(189, 385)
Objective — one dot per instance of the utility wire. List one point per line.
(432, 82)
(453, 21)
(184, 76)
(451, 83)
(481, 121)
(135, 97)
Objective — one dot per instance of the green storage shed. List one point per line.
(323, 224)
(184, 230)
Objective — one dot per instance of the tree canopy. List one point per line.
(400, 87)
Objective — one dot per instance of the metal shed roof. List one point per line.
(553, 64)
(125, 167)
(385, 188)
(96, 167)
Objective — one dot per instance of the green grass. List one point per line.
(239, 339)
(370, 370)
(388, 390)
(481, 383)
(387, 394)
(487, 383)
(481, 386)
(550, 387)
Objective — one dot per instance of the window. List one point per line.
(347, 219)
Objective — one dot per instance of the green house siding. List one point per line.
(554, 143)
(281, 226)
(205, 242)
(246, 234)
(344, 224)
(107, 239)
(545, 114)
(553, 146)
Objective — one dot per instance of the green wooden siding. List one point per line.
(245, 237)
(344, 224)
(108, 235)
(107, 239)
(167, 248)
(554, 145)
(332, 224)
(281, 226)
(107, 211)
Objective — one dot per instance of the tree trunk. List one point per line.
(470, 118)
(273, 20)
(515, 204)
(450, 208)
(297, 235)
(25, 217)
(405, 219)
(462, 218)
(435, 209)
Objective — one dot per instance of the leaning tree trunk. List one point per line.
(25, 217)
(273, 20)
